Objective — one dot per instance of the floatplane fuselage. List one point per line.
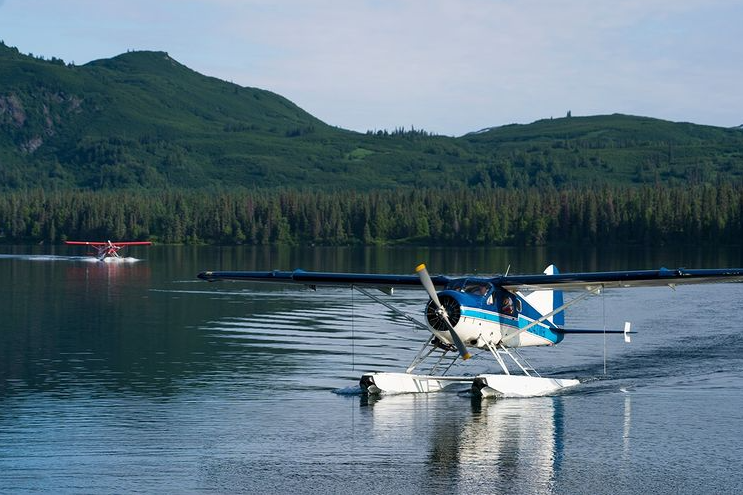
(107, 249)
(496, 316)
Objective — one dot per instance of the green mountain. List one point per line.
(142, 120)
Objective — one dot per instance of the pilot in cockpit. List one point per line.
(507, 305)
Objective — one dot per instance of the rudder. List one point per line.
(546, 301)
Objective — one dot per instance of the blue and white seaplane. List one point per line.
(496, 315)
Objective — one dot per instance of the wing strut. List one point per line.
(554, 312)
(390, 307)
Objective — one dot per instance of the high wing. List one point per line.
(97, 243)
(327, 279)
(636, 278)
(560, 281)
(132, 243)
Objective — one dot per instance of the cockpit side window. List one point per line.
(506, 305)
(509, 303)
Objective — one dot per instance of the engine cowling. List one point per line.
(453, 310)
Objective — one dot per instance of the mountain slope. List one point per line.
(143, 120)
(139, 113)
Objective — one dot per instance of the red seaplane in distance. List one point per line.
(107, 249)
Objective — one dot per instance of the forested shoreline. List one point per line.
(618, 215)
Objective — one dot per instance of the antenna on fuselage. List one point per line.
(507, 270)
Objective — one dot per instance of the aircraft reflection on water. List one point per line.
(496, 443)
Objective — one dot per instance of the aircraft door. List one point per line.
(508, 303)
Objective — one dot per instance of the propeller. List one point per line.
(428, 285)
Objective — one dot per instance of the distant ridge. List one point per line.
(143, 120)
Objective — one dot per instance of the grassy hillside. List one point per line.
(626, 149)
(142, 120)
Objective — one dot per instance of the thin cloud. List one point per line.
(449, 67)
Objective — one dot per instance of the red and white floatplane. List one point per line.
(107, 250)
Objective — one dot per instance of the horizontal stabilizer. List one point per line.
(587, 331)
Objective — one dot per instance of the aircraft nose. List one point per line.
(452, 309)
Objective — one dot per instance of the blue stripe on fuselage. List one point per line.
(540, 329)
(490, 316)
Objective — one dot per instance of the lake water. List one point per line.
(137, 377)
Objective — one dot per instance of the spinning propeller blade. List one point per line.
(431, 290)
(428, 284)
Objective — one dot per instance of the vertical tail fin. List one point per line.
(546, 301)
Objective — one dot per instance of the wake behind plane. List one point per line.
(496, 316)
(107, 249)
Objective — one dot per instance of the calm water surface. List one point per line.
(136, 377)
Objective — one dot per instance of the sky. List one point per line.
(446, 66)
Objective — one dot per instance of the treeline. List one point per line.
(621, 215)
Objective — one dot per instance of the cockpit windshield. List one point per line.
(477, 288)
(474, 287)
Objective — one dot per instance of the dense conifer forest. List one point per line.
(642, 215)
